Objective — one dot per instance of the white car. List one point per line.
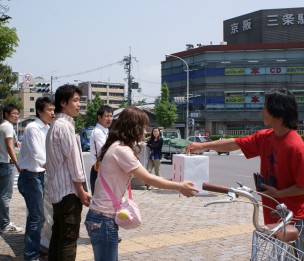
(199, 139)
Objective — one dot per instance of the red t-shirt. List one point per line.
(282, 165)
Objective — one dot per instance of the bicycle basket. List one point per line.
(265, 247)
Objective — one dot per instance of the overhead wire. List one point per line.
(88, 71)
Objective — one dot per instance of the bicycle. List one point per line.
(275, 242)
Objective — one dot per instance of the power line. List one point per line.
(88, 71)
(147, 81)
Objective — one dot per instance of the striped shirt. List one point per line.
(63, 159)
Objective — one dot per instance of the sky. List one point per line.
(85, 40)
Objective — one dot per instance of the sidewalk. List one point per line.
(174, 228)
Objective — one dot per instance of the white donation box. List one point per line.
(194, 168)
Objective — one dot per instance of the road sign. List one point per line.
(27, 77)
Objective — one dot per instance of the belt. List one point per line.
(2, 163)
(103, 214)
(38, 172)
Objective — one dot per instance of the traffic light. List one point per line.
(135, 86)
(42, 87)
(191, 122)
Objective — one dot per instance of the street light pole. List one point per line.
(187, 94)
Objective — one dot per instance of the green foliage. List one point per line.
(7, 80)
(79, 122)
(142, 102)
(14, 100)
(93, 106)
(165, 111)
(124, 104)
(8, 41)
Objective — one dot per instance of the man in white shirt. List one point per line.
(31, 160)
(98, 139)
(66, 180)
(8, 166)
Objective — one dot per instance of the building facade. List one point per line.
(112, 93)
(227, 82)
(266, 26)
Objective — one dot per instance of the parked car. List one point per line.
(85, 135)
(199, 139)
(171, 133)
(20, 138)
(222, 152)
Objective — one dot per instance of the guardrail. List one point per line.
(249, 132)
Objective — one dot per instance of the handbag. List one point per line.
(127, 213)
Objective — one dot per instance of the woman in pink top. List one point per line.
(119, 163)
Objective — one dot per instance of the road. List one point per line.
(223, 169)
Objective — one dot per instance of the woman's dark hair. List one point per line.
(40, 104)
(129, 129)
(152, 137)
(63, 94)
(282, 104)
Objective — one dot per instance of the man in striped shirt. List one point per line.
(65, 175)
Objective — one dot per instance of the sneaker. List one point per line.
(10, 229)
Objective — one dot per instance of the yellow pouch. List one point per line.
(96, 165)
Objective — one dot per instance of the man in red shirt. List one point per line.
(281, 150)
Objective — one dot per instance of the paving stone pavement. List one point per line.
(174, 228)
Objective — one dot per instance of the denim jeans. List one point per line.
(31, 187)
(103, 233)
(7, 176)
(65, 230)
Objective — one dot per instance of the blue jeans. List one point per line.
(31, 187)
(7, 176)
(103, 233)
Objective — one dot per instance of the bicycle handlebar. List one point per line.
(247, 193)
(215, 188)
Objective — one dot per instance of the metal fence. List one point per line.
(249, 132)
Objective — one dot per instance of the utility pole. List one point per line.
(127, 61)
(51, 87)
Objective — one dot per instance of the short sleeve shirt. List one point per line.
(6, 131)
(282, 164)
(115, 167)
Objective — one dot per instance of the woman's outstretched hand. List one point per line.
(187, 189)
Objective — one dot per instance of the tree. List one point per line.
(7, 95)
(165, 111)
(8, 39)
(8, 43)
(142, 102)
(124, 104)
(79, 122)
(93, 106)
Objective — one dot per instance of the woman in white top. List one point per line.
(119, 163)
